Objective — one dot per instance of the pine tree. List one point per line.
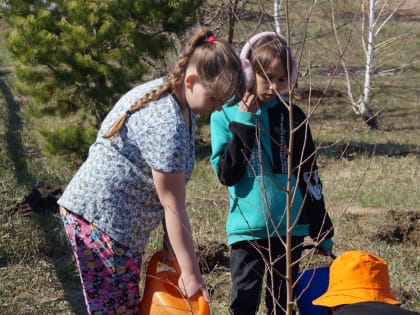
(73, 55)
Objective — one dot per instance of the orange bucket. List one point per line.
(162, 295)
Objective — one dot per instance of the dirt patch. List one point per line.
(405, 228)
(212, 255)
(301, 94)
(407, 10)
(41, 199)
(399, 227)
(408, 7)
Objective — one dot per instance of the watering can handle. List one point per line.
(203, 305)
(310, 246)
(163, 256)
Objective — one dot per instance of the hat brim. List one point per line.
(336, 298)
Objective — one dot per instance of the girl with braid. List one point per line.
(136, 173)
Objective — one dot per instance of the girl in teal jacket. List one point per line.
(250, 146)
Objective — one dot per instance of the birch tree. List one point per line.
(276, 15)
(370, 30)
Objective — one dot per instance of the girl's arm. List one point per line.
(171, 189)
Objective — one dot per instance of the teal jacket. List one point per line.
(250, 157)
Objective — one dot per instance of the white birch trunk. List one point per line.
(276, 15)
(370, 55)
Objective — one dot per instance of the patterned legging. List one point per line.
(109, 271)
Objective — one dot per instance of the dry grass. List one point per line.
(371, 184)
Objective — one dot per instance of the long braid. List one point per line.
(174, 80)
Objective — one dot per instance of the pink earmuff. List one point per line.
(246, 64)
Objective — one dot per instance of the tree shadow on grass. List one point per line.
(64, 265)
(349, 150)
(41, 207)
(202, 151)
(337, 150)
(13, 138)
(37, 202)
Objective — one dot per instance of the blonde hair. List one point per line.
(216, 64)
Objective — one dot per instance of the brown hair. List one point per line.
(260, 51)
(266, 50)
(216, 63)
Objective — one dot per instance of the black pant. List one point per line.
(248, 262)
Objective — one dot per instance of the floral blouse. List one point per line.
(114, 189)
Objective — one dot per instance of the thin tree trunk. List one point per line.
(276, 15)
(370, 55)
(289, 189)
(343, 63)
(231, 19)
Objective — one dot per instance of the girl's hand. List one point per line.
(326, 252)
(192, 285)
(249, 102)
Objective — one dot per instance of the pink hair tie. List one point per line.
(211, 38)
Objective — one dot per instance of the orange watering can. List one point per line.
(162, 296)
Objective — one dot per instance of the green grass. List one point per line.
(371, 179)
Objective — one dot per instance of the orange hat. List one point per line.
(357, 276)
